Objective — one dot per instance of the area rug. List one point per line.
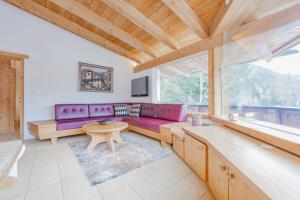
(101, 165)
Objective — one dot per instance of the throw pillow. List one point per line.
(135, 110)
(120, 110)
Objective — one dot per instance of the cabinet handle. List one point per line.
(223, 168)
(230, 176)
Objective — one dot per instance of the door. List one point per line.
(238, 189)
(217, 176)
(196, 155)
(7, 98)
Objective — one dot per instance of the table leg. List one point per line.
(118, 138)
(110, 142)
(95, 140)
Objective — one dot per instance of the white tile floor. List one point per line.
(51, 172)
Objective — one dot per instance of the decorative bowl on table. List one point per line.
(105, 121)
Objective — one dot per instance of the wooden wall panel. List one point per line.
(7, 97)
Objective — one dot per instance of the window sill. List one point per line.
(281, 139)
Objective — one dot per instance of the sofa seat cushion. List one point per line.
(66, 124)
(146, 122)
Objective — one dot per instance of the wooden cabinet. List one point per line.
(224, 181)
(217, 176)
(196, 156)
(238, 189)
(178, 146)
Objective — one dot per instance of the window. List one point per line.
(186, 82)
(266, 93)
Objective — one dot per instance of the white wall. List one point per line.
(51, 72)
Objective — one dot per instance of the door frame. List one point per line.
(17, 62)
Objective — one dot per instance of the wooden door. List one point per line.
(217, 176)
(238, 189)
(196, 155)
(7, 97)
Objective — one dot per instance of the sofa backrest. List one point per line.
(149, 110)
(71, 111)
(99, 110)
(173, 112)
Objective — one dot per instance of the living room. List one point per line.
(160, 99)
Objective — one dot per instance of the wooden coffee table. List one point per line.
(104, 133)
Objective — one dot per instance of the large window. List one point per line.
(265, 92)
(186, 82)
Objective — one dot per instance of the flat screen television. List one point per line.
(139, 87)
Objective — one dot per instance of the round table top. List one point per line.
(95, 127)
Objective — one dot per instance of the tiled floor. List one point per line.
(51, 172)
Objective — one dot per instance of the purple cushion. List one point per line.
(174, 112)
(98, 110)
(65, 124)
(149, 110)
(71, 111)
(146, 122)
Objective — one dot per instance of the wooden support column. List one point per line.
(211, 104)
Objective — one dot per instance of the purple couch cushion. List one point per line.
(71, 111)
(65, 124)
(173, 112)
(146, 122)
(98, 110)
(149, 110)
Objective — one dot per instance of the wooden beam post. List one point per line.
(211, 90)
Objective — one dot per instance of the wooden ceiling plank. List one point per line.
(232, 15)
(103, 24)
(188, 16)
(196, 47)
(68, 25)
(138, 18)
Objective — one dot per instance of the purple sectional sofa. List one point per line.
(152, 116)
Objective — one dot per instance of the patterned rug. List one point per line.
(101, 165)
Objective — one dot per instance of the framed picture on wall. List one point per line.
(95, 78)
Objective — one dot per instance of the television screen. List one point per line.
(139, 87)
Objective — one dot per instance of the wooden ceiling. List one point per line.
(140, 29)
(155, 32)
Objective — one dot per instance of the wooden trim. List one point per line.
(211, 67)
(188, 16)
(12, 56)
(83, 12)
(267, 23)
(282, 140)
(139, 19)
(191, 49)
(58, 20)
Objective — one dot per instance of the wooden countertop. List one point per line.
(9, 152)
(273, 171)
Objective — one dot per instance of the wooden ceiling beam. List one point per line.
(232, 15)
(191, 49)
(139, 19)
(188, 16)
(284, 17)
(89, 16)
(267, 23)
(58, 20)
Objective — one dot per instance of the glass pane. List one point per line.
(265, 91)
(186, 82)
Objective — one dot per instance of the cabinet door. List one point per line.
(238, 189)
(195, 156)
(217, 176)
